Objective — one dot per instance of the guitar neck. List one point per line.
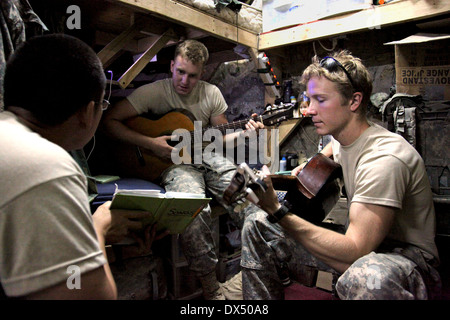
(269, 119)
(235, 125)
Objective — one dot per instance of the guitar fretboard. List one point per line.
(268, 119)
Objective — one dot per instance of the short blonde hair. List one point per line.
(194, 51)
(359, 74)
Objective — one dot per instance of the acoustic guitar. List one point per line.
(132, 161)
(312, 193)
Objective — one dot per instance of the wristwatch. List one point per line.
(280, 213)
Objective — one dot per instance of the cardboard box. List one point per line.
(324, 280)
(422, 66)
(279, 14)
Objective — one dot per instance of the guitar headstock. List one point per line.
(275, 114)
(243, 185)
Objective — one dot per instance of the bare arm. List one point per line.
(113, 126)
(94, 285)
(110, 226)
(368, 226)
(327, 151)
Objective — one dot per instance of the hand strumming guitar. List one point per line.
(161, 148)
(297, 169)
(268, 200)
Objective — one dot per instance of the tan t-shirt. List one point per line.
(158, 98)
(45, 220)
(382, 168)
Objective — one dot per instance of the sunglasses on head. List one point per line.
(332, 65)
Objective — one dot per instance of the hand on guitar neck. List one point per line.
(250, 129)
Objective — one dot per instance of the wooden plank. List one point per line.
(286, 128)
(143, 60)
(379, 16)
(111, 50)
(189, 16)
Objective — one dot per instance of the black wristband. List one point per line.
(280, 213)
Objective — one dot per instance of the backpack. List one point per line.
(399, 115)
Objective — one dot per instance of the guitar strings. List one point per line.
(230, 125)
(220, 127)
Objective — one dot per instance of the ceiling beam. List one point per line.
(188, 16)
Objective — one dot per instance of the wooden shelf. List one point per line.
(377, 17)
(180, 13)
(287, 127)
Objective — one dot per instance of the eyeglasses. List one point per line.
(331, 64)
(105, 104)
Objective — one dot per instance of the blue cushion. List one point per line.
(106, 190)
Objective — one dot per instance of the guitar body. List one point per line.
(165, 125)
(131, 161)
(314, 191)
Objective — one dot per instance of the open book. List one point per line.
(171, 210)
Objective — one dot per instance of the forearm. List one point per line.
(334, 249)
(96, 284)
(327, 150)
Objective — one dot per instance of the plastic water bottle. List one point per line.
(293, 100)
(287, 91)
(283, 164)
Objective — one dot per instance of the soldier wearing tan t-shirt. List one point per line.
(51, 245)
(387, 250)
(184, 90)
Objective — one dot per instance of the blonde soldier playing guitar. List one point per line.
(184, 90)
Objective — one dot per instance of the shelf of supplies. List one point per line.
(401, 11)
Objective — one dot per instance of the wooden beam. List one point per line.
(287, 127)
(143, 60)
(191, 17)
(111, 50)
(378, 16)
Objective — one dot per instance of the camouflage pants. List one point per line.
(388, 276)
(266, 247)
(213, 175)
